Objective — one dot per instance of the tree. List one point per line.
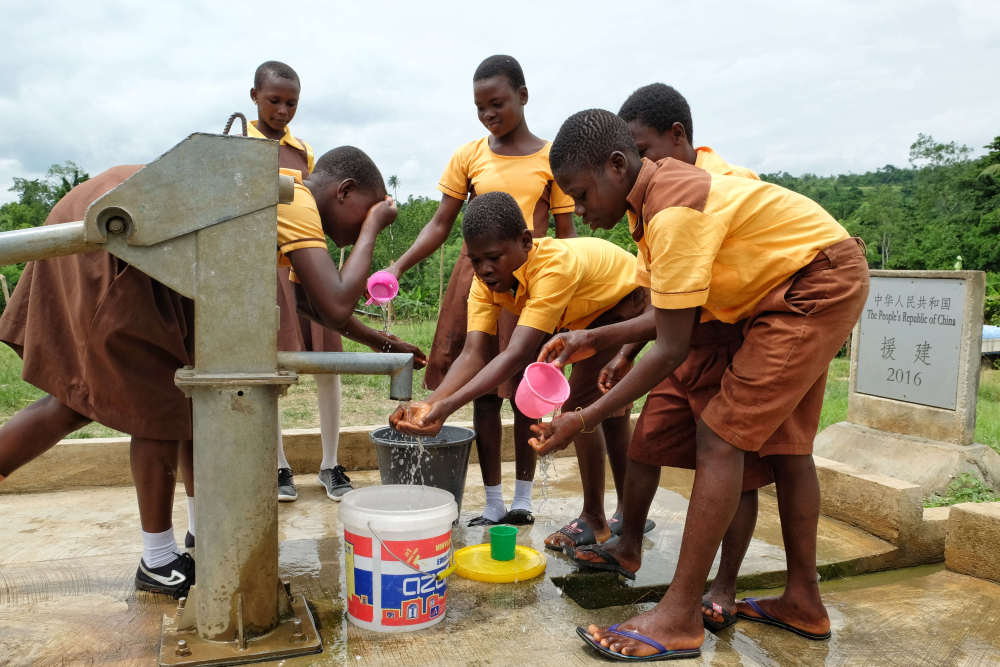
(35, 198)
(394, 183)
(926, 152)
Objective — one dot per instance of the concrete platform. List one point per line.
(67, 561)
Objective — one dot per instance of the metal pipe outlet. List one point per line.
(397, 365)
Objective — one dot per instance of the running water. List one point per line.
(545, 470)
(421, 454)
(385, 318)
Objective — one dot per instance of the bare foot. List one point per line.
(628, 558)
(807, 615)
(579, 532)
(674, 631)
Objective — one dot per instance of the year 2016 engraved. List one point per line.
(904, 376)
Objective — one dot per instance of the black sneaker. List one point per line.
(189, 541)
(335, 481)
(286, 486)
(174, 578)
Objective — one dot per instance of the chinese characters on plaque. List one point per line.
(910, 336)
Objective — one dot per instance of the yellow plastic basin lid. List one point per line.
(474, 562)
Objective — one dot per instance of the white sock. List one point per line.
(190, 500)
(495, 509)
(282, 461)
(522, 495)
(328, 395)
(158, 549)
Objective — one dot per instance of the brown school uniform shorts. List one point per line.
(759, 383)
(583, 376)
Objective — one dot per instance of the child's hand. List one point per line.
(567, 348)
(383, 213)
(394, 344)
(407, 415)
(417, 418)
(556, 434)
(398, 416)
(613, 372)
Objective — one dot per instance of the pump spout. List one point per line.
(398, 366)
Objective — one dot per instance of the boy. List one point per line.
(549, 284)
(741, 250)
(659, 120)
(275, 92)
(343, 198)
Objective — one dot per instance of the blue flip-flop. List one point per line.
(771, 620)
(663, 653)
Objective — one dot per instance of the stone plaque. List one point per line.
(910, 339)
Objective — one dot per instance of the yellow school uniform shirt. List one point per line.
(475, 168)
(709, 160)
(286, 139)
(299, 224)
(720, 242)
(564, 284)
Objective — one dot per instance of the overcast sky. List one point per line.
(831, 87)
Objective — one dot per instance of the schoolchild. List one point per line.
(549, 285)
(745, 251)
(103, 340)
(276, 91)
(659, 120)
(510, 159)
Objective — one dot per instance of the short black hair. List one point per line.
(659, 106)
(350, 162)
(276, 69)
(505, 65)
(493, 214)
(587, 139)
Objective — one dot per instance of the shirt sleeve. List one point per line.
(641, 269)
(551, 286)
(560, 202)
(683, 244)
(483, 313)
(310, 157)
(299, 224)
(455, 179)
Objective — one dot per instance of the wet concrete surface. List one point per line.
(67, 562)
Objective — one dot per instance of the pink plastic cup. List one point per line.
(543, 388)
(382, 288)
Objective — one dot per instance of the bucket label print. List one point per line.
(407, 597)
(360, 589)
(412, 599)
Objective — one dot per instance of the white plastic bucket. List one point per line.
(389, 532)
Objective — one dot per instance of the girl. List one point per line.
(513, 160)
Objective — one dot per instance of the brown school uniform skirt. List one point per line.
(100, 336)
(298, 333)
(584, 374)
(449, 336)
(764, 393)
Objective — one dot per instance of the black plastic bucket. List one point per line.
(442, 462)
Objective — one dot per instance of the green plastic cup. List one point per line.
(503, 539)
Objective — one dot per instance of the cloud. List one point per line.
(776, 86)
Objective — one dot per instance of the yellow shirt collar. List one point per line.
(286, 138)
